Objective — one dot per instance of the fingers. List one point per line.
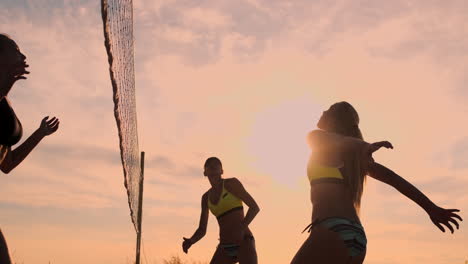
(453, 222)
(52, 121)
(454, 215)
(53, 124)
(377, 145)
(50, 126)
(390, 145)
(439, 226)
(386, 144)
(448, 226)
(185, 246)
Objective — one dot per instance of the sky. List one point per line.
(244, 81)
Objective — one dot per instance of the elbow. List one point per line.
(7, 165)
(256, 209)
(6, 169)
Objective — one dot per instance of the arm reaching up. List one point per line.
(14, 157)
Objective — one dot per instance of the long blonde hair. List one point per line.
(345, 121)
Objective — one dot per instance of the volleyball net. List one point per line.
(117, 16)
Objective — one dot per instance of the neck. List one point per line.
(216, 181)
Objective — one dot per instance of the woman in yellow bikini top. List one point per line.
(225, 200)
(337, 168)
(318, 173)
(227, 203)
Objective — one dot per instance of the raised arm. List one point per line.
(331, 142)
(201, 230)
(323, 140)
(14, 157)
(236, 188)
(437, 214)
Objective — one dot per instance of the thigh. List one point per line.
(4, 256)
(220, 257)
(358, 259)
(248, 252)
(322, 246)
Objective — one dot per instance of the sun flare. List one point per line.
(277, 141)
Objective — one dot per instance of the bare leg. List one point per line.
(324, 246)
(220, 257)
(4, 256)
(357, 259)
(247, 252)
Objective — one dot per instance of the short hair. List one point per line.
(213, 161)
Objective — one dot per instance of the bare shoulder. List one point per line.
(316, 135)
(205, 195)
(233, 184)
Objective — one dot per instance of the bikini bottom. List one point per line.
(231, 249)
(351, 232)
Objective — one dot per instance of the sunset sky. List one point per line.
(245, 81)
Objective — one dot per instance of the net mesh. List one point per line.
(117, 16)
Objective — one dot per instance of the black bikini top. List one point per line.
(11, 130)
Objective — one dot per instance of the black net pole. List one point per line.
(140, 208)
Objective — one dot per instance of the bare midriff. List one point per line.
(230, 227)
(332, 200)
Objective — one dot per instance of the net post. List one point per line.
(140, 206)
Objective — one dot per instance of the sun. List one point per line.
(277, 142)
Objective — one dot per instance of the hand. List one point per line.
(186, 244)
(377, 145)
(12, 74)
(49, 126)
(444, 216)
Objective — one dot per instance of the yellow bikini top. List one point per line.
(319, 173)
(226, 204)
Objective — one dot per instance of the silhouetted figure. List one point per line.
(337, 167)
(13, 68)
(224, 199)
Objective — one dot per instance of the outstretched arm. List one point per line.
(437, 214)
(320, 139)
(323, 140)
(201, 230)
(14, 157)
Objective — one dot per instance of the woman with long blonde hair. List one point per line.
(337, 170)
